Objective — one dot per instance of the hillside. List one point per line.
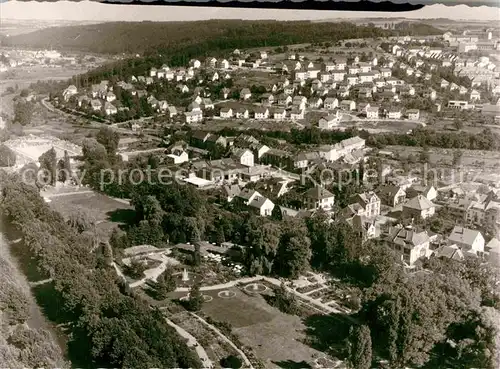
(147, 37)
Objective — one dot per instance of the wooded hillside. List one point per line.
(148, 37)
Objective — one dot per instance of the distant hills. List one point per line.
(149, 37)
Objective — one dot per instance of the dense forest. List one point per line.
(108, 324)
(150, 37)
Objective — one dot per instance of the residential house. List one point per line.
(450, 252)
(365, 204)
(182, 88)
(296, 114)
(331, 103)
(385, 72)
(410, 244)
(391, 195)
(493, 250)
(262, 205)
(245, 94)
(172, 111)
(299, 102)
(96, 105)
(206, 103)
(347, 105)
(475, 95)
(467, 239)
(244, 157)
(372, 112)
(284, 99)
(366, 77)
(329, 121)
(419, 207)
(229, 192)
(225, 93)
(413, 114)
(319, 198)
(109, 108)
(338, 75)
(279, 114)
(177, 156)
(261, 112)
(429, 192)
(226, 113)
(315, 102)
(223, 64)
(365, 227)
(71, 90)
(394, 113)
(194, 116)
(444, 83)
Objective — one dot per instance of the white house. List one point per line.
(329, 122)
(331, 103)
(194, 116)
(413, 114)
(226, 113)
(467, 239)
(244, 157)
(319, 198)
(394, 113)
(419, 207)
(110, 109)
(70, 91)
(347, 105)
(475, 95)
(372, 112)
(178, 157)
(261, 113)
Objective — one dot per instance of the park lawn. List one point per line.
(275, 337)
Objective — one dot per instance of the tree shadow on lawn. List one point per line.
(327, 333)
(126, 217)
(290, 364)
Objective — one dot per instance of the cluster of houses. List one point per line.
(481, 70)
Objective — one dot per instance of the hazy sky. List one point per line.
(94, 11)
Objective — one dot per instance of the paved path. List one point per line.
(192, 342)
(38, 283)
(273, 281)
(83, 192)
(247, 362)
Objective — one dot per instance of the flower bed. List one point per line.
(309, 288)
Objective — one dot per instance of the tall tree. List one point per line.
(109, 138)
(48, 163)
(359, 347)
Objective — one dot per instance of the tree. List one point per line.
(81, 221)
(48, 163)
(23, 112)
(109, 138)
(136, 269)
(93, 151)
(284, 300)
(165, 283)
(7, 157)
(457, 158)
(231, 362)
(294, 254)
(359, 347)
(195, 300)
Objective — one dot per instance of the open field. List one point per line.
(104, 210)
(437, 156)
